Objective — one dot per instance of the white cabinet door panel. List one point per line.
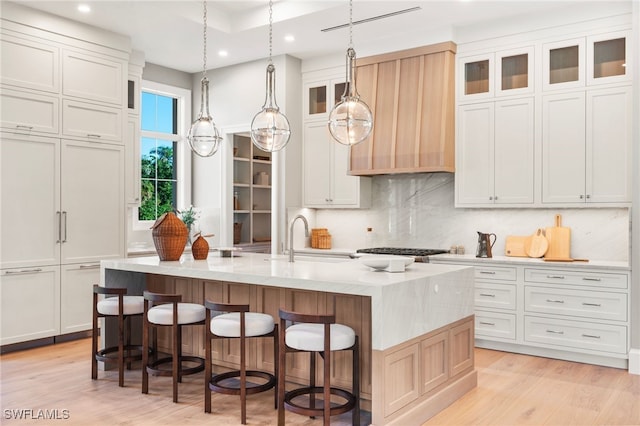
(92, 185)
(29, 112)
(94, 122)
(475, 154)
(29, 64)
(514, 151)
(345, 187)
(317, 165)
(92, 77)
(608, 145)
(30, 301)
(30, 194)
(563, 153)
(76, 296)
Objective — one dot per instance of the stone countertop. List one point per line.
(404, 305)
(527, 261)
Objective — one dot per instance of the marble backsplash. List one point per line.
(418, 211)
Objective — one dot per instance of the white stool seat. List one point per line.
(310, 337)
(188, 313)
(228, 325)
(132, 305)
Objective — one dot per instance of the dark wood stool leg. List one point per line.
(145, 352)
(94, 341)
(243, 377)
(176, 360)
(282, 354)
(121, 348)
(207, 362)
(312, 379)
(276, 362)
(127, 321)
(356, 382)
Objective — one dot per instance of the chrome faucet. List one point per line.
(306, 233)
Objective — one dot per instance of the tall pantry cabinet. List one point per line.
(62, 159)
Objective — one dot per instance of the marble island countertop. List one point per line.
(403, 304)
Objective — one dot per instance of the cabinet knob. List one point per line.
(582, 197)
(490, 198)
(495, 198)
(588, 196)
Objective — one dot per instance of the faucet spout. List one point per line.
(306, 233)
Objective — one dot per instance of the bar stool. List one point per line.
(317, 334)
(124, 307)
(168, 310)
(238, 322)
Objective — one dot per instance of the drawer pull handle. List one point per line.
(593, 336)
(93, 135)
(591, 304)
(488, 272)
(590, 279)
(89, 266)
(487, 295)
(560, 277)
(554, 301)
(555, 332)
(487, 323)
(24, 126)
(24, 271)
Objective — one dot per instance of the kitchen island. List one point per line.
(415, 327)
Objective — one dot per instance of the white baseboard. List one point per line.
(634, 361)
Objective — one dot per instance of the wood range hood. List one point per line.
(411, 94)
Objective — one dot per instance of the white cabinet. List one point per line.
(92, 121)
(76, 288)
(562, 311)
(29, 112)
(93, 77)
(326, 183)
(30, 300)
(592, 60)
(29, 64)
(495, 153)
(320, 96)
(586, 147)
(496, 74)
(92, 201)
(30, 194)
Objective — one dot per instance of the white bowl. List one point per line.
(390, 263)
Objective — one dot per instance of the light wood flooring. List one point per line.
(512, 390)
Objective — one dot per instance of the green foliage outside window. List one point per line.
(158, 191)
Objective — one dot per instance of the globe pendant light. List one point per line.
(270, 128)
(203, 136)
(350, 120)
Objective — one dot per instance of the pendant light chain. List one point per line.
(350, 23)
(204, 37)
(270, 29)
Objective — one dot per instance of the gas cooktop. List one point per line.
(421, 255)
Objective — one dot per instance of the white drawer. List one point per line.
(581, 278)
(29, 112)
(495, 324)
(576, 334)
(494, 295)
(94, 122)
(579, 303)
(495, 273)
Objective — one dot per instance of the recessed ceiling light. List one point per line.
(84, 8)
(289, 38)
(223, 53)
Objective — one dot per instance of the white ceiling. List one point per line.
(170, 32)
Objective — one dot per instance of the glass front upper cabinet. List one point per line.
(476, 77)
(514, 71)
(320, 97)
(563, 64)
(608, 58)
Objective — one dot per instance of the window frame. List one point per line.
(183, 151)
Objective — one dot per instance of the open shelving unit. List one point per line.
(251, 195)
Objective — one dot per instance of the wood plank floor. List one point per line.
(512, 390)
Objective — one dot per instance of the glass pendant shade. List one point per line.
(270, 129)
(350, 120)
(203, 136)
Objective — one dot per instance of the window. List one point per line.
(165, 159)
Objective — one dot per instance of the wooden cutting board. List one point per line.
(559, 239)
(515, 246)
(538, 244)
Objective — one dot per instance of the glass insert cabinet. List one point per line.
(321, 96)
